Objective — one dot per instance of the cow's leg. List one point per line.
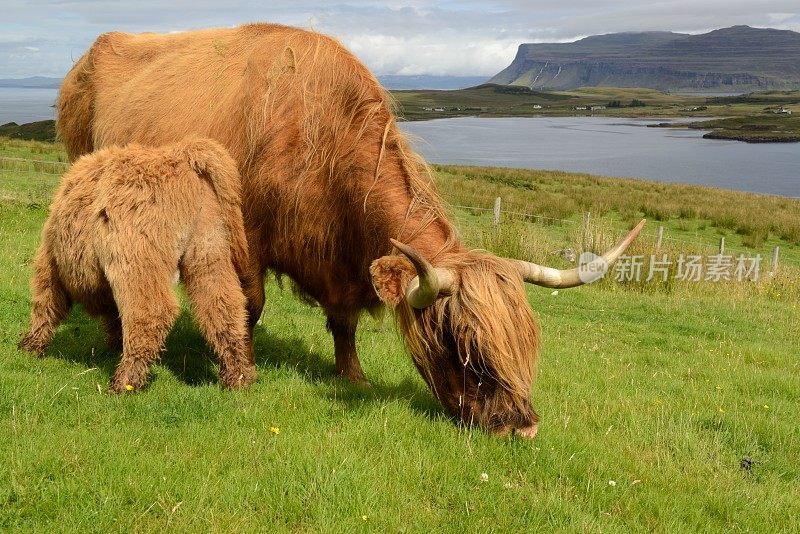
(214, 290)
(253, 280)
(253, 288)
(51, 303)
(149, 308)
(343, 329)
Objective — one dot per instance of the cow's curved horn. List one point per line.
(430, 281)
(555, 278)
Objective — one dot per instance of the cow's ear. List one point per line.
(390, 277)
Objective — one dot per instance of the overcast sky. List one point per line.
(451, 37)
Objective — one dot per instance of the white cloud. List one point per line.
(456, 37)
(430, 54)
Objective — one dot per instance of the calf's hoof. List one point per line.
(126, 383)
(29, 344)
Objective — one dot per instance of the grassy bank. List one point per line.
(511, 101)
(666, 408)
(768, 127)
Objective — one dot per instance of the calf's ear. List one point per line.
(390, 278)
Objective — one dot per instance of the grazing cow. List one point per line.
(125, 223)
(328, 180)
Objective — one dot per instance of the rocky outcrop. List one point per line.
(734, 59)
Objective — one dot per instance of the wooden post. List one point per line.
(773, 268)
(660, 237)
(496, 213)
(722, 245)
(587, 217)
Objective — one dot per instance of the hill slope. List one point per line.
(34, 82)
(735, 59)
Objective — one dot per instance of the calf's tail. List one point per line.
(212, 162)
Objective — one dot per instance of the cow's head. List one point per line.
(470, 330)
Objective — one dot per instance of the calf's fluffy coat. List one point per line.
(124, 223)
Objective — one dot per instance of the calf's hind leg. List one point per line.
(148, 308)
(51, 303)
(214, 290)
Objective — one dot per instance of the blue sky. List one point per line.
(453, 37)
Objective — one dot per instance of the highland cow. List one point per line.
(124, 225)
(328, 180)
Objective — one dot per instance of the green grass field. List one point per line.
(513, 101)
(667, 408)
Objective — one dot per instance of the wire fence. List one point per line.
(589, 229)
(37, 166)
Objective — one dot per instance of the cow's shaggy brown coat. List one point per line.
(328, 179)
(124, 224)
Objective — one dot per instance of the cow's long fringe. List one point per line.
(341, 109)
(482, 315)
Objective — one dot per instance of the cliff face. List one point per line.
(728, 60)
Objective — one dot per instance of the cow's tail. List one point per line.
(212, 162)
(75, 107)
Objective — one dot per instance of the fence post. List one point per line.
(722, 245)
(496, 212)
(660, 237)
(586, 232)
(773, 268)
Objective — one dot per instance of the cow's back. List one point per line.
(157, 88)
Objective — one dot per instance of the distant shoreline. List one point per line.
(44, 131)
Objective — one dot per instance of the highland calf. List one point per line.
(124, 225)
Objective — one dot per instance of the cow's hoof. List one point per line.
(357, 380)
(27, 344)
(528, 432)
(240, 380)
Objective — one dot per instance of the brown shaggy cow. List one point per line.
(123, 225)
(328, 180)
